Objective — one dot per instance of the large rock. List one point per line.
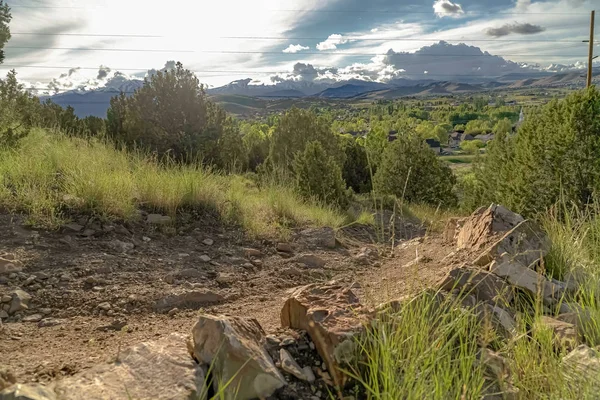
(161, 369)
(188, 299)
(483, 224)
(20, 301)
(525, 243)
(311, 261)
(565, 334)
(484, 285)
(158, 219)
(314, 238)
(28, 392)
(332, 315)
(234, 347)
(583, 365)
(9, 264)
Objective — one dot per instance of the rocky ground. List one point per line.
(91, 289)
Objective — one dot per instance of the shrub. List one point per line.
(409, 169)
(472, 146)
(318, 176)
(356, 172)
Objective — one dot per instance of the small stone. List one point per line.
(248, 252)
(204, 258)
(98, 289)
(312, 261)
(284, 247)
(5, 299)
(48, 322)
(20, 301)
(309, 374)
(3, 314)
(33, 318)
(66, 278)
(74, 227)
(173, 311)
(272, 340)
(29, 281)
(105, 306)
(169, 278)
(289, 365)
(41, 276)
(90, 280)
(225, 278)
(287, 341)
(311, 345)
(208, 241)
(157, 219)
(121, 246)
(45, 311)
(146, 239)
(88, 233)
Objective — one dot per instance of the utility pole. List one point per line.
(591, 50)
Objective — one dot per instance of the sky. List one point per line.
(66, 44)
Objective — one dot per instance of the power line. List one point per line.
(84, 34)
(282, 53)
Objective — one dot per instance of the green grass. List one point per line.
(51, 177)
(458, 159)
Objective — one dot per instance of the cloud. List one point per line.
(169, 65)
(523, 5)
(518, 28)
(374, 30)
(446, 8)
(332, 42)
(103, 72)
(294, 48)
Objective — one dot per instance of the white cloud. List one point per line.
(332, 42)
(374, 30)
(523, 5)
(446, 8)
(294, 48)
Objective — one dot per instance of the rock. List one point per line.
(33, 318)
(225, 278)
(565, 334)
(48, 322)
(451, 229)
(309, 374)
(105, 306)
(88, 233)
(332, 316)
(484, 285)
(41, 276)
(526, 278)
(157, 219)
(208, 241)
(173, 312)
(5, 299)
(20, 301)
(192, 299)
(169, 278)
(311, 260)
(284, 248)
(7, 378)
(29, 281)
(289, 365)
(73, 226)
(120, 246)
(367, 255)
(291, 272)
(318, 237)
(525, 244)
(234, 348)
(28, 392)
(248, 252)
(190, 273)
(204, 258)
(478, 229)
(162, 369)
(9, 265)
(45, 311)
(3, 314)
(583, 365)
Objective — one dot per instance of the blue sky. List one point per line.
(275, 40)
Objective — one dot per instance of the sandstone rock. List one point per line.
(565, 334)
(289, 365)
(284, 248)
(234, 348)
(33, 318)
(332, 316)
(157, 219)
(193, 299)
(526, 278)
(583, 364)
(208, 241)
(20, 301)
(484, 285)
(48, 322)
(9, 265)
(204, 258)
(311, 260)
(479, 228)
(28, 392)
(105, 306)
(5, 299)
(162, 369)
(248, 252)
(524, 244)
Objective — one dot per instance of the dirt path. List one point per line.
(109, 286)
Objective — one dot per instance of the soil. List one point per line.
(134, 267)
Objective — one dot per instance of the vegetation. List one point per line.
(5, 18)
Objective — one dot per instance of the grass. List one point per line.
(458, 159)
(51, 177)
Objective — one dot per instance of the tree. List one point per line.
(256, 139)
(297, 128)
(356, 171)
(318, 176)
(503, 126)
(472, 146)
(410, 170)
(5, 18)
(441, 133)
(171, 115)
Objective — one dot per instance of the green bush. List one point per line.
(410, 170)
(472, 146)
(356, 172)
(319, 177)
(554, 156)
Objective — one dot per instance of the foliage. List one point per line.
(256, 139)
(478, 126)
(5, 17)
(472, 146)
(410, 170)
(356, 171)
(172, 115)
(319, 177)
(295, 130)
(555, 155)
(503, 126)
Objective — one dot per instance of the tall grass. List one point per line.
(50, 177)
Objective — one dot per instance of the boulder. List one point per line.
(583, 364)
(234, 348)
(161, 369)
(483, 224)
(289, 365)
(315, 238)
(284, 248)
(332, 315)
(9, 264)
(311, 261)
(484, 285)
(188, 300)
(451, 229)
(565, 334)
(157, 219)
(525, 244)
(20, 301)
(28, 392)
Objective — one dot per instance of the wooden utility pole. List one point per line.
(591, 50)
